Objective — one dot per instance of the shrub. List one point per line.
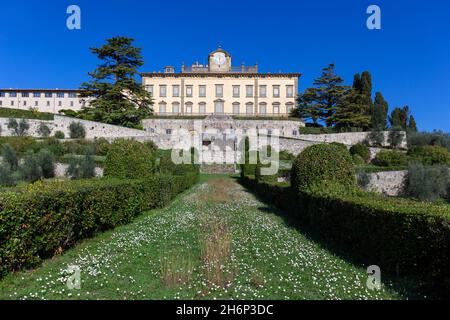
(53, 216)
(340, 145)
(59, 135)
(388, 158)
(19, 128)
(399, 235)
(322, 165)
(427, 183)
(361, 150)
(430, 155)
(7, 178)
(357, 160)
(21, 144)
(43, 130)
(101, 146)
(129, 159)
(396, 137)
(77, 130)
(10, 157)
(82, 168)
(30, 170)
(375, 138)
(435, 138)
(46, 161)
(286, 155)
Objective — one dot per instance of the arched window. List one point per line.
(162, 107)
(263, 108)
(202, 108)
(289, 108)
(176, 107)
(236, 108)
(188, 107)
(249, 108)
(276, 108)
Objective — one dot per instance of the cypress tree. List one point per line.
(379, 112)
(412, 126)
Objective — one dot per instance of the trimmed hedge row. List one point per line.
(401, 236)
(46, 219)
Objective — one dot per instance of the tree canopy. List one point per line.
(117, 97)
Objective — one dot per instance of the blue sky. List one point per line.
(409, 58)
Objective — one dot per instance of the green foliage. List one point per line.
(435, 138)
(286, 155)
(427, 183)
(19, 128)
(327, 130)
(77, 130)
(322, 165)
(7, 177)
(27, 114)
(399, 235)
(129, 159)
(82, 168)
(340, 145)
(387, 158)
(53, 216)
(358, 160)
(375, 138)
(59, 135)
(10, 157)
(118, 98)
(319, 103)
(412, 125)
(20, 144)
(430, 155)
(30, 169)
(361, 150)
(379, 113)
(43, 130)
(396, 137)
(46, 161)
(401, 118)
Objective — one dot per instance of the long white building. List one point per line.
(44, 100)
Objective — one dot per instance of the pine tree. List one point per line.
(412, 126)
(319, 103)
(351, 111)
(379, 113)
(118, 98)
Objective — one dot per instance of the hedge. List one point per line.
(27, 114)
(50, 217)
(402, 236)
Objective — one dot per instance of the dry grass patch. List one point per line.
(177, 268)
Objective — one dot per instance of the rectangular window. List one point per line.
(163, 90)
(59, 104)
(202, 108)
(189, 91)
(249, 109)
(176, 91)
(202, 91)
(48, 103)
(168, 131)
(149, 89)
(25, 94)
(294, 132)
(48, 94)
(236, 91)
(12, 103)
(290, 91)
(2, 94)
(25, 103)
(12, 94)
(219, 90)
(71, 103)
(249, 91)
(72, 95)
(36, 104)
(162, 108)
(276, 91)
(36, 94)
(60, 95)
(263, 91)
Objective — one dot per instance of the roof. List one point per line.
(220, 75)
(38, 90)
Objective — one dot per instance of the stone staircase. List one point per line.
(217, 168)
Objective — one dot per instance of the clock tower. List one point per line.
(219, 61)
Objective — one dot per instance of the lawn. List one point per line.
(215, 241)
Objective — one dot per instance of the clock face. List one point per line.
(219, 58)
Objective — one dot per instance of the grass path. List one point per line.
(216, 241)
